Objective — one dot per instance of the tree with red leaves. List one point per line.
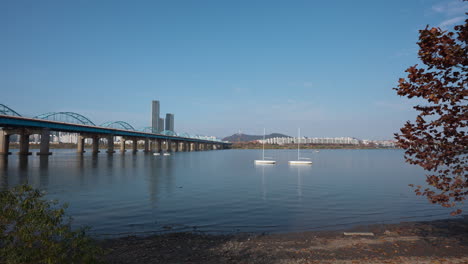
(438, 139)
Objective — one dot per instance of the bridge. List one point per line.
(12, 123)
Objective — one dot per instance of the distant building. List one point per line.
(306, 140)
(161, 125)
(155, 116)
(170, 122)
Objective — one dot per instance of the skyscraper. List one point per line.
(170, 122)
(161, 124)
(155, 116)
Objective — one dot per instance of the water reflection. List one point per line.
(260, 167)
(3, 174)
(223, 190)
(43, 171)
(23, 161)
(160, 177)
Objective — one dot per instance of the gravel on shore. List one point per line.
(442, 241)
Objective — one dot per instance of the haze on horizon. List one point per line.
(327, 67)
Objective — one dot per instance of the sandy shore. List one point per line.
(444, 241)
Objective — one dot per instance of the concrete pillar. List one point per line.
(147, 145)
(176, 146)
(95, 144)
(158, 145)
(152, 146)
(135, 145)
(169, 146)
(4, 143)
(45, 142)
(24, 144)
(80, 145)
(122, 145)
(110, 144)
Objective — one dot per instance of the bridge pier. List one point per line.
(162, 145)
(181, 146)
(169, 145)
(4, 143)
(80, 145)
(147, 145)
(153, 146)
(45, 142)
(95, 145)
(122, 145)
(24, 143)
(110, 144)
(134, 146)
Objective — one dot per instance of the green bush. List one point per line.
(33, 230)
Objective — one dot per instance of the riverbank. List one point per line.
(253, 145)
(442, 241)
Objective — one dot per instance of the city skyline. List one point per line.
(220, 66)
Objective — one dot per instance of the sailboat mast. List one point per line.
(298, 139)
(263, 154)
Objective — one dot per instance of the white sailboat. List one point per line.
(299, 161)
(263, 160)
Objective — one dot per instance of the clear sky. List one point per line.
(327, 67)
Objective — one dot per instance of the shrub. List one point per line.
(34, 230)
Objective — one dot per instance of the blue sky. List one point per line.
(327, 67)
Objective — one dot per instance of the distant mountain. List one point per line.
(246, 138)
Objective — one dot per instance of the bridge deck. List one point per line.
(33, 123)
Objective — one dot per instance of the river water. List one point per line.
(224, 191)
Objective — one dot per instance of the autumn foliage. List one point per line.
(437, 140)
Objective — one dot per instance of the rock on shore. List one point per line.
(444, 241)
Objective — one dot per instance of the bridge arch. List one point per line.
(168, 133)
(185, 135)
(148, 130)
(68, 117)
(118, 124)
(5, 110)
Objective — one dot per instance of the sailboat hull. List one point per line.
(300, 162)
(265, 162)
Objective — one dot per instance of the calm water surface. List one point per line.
(224, 191)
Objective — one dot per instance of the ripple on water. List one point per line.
(223, 191)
